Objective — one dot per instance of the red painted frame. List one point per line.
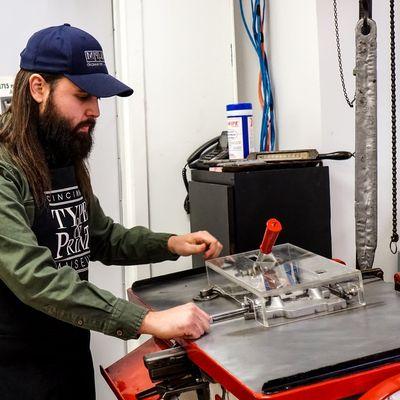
(129, 376)
(383, 389)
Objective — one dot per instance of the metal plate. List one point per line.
(258, 355)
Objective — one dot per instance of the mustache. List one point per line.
(90, 122)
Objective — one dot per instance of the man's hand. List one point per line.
(195, 243)
(187, 321)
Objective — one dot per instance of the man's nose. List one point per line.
(93, 110)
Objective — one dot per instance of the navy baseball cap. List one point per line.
(75, 54)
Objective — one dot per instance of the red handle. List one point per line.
(272, 229)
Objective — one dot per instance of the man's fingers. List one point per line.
(214, 247)
(198, 330)
(204, 314)
(204, 236)
(195, 243)
(196, 248)
(214, 250)
(200, 327)
(199, 322)
(204, 320)
(185, 321)
(205, 323)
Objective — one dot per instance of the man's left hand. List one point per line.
(195, 243)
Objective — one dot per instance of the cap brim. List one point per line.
(100, 85)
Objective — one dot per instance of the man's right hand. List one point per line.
(187, 321)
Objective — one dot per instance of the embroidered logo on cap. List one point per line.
(94, 58)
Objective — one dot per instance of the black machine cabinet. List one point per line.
(234, 206)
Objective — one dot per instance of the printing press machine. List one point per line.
(292, 325)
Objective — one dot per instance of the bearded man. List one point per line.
(52, 225)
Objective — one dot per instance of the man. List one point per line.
(51, 225)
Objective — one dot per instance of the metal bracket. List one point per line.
(174, 374)
(173, 389)
(365, 7)
(365, 11)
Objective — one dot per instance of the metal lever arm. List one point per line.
(230, 314)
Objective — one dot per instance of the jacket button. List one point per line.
(80, 322)
(119, 332)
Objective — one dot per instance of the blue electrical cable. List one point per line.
(258, 36)
(245, 23)
(271, 106)
(257, 41)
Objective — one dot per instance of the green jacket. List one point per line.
(27, 268)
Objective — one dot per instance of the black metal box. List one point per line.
(234, 206)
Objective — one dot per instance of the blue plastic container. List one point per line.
(240, 130)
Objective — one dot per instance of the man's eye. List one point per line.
(83, 96)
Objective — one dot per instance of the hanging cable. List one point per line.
(339, 55)
(257, 39)
(395, 237)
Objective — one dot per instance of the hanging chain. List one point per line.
(339, 53)
(395, 237)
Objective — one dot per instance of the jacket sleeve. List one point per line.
(28, 271)
(111, 243)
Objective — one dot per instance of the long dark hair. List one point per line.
(20, 136)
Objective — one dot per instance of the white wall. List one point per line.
(337, 129)
(24, 18)
(186, 81)
(311, 110)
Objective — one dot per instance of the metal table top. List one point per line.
(257, 355)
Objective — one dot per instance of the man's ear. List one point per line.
(39, 88)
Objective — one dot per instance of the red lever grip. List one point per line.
(272, 229)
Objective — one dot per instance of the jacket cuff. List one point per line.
(162, 247)
(127, 319)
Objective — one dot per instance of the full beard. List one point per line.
(63, 143)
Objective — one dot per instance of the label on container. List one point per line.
(240, 136)
(6, 89)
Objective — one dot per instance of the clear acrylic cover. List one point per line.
(287, 284)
